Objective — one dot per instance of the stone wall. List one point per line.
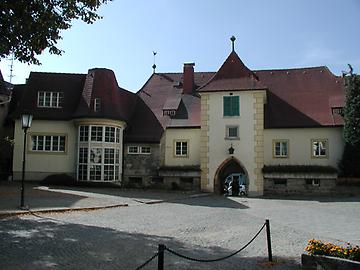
(141, 169)
(298, 185)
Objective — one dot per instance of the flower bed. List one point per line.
(349, 252)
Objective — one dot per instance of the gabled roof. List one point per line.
(232, 75)
(300, 97)
(164, 90)
(70, 84)
(143, 125)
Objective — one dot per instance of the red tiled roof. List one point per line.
(232, 75)
(301, 97)
(69, 84)
(116, 103)
(161, 88)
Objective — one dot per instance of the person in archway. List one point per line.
(235, 187)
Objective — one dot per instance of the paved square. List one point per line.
(204, 227)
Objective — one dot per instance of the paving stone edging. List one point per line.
(319, 262)
(10, 213)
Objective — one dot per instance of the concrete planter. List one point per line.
(319, 262)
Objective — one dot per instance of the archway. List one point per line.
(226, 168)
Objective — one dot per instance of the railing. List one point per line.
(162, 248)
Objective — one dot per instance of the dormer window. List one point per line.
(97, 104)
(337, 110)
(169, 112)
(50, 99)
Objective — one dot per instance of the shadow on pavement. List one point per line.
(215, 201)
(42, 243)
(10, 194)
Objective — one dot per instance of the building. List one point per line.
(6, 130)
(281, 129)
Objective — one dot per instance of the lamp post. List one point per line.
(26, 120)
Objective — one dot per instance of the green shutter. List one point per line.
(227, 106)
(235, 108)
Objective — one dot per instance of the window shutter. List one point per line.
(235, 106)
(227, 106)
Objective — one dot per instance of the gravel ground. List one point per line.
(204, 227)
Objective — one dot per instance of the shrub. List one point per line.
(59, 180)
(317, 247)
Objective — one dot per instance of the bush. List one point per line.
(317, 247)
(59, 180)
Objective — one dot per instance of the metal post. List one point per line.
(22, 204)
(268, 237)
(161, 257)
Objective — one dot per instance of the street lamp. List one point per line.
(26, 120)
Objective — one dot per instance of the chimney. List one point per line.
(188, 83)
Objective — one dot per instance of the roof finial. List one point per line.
(233, 38)
(154, 65)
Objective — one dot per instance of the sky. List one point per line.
(270, 34)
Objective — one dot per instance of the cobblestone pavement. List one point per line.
(204, 227)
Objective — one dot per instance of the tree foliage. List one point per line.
(350, 163)
(28, 27)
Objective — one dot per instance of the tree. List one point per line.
(27, 27)
(350, 163)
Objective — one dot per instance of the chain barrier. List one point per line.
(163, 248)
(218, 259)
(148, 261)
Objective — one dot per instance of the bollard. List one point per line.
(268, 237)
(161, 257)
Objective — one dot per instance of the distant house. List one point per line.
(281, 129)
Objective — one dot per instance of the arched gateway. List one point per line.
(226, 168)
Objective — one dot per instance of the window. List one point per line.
(181, 148)
(280, 148)
(96, 133)
(97, 104)
(48, 143)
(109, 134)
(169, 112)
(145, 150)
(231, 105)
(98, 153)
(319, 148)
(232, 132)
(50, 99)
(83, 155)
(84, 133)
(313, 182)
(133, 150)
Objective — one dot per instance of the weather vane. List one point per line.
(154, 65)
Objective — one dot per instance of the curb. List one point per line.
(5, 214)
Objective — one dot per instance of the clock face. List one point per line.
(95, 155)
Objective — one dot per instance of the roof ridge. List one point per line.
(57, 73)
(284, 69)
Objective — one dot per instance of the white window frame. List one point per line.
(97, 104)
(54, 97)
(182, 148)
(316, 150)
(101, 169)
(281, 143)
(227, 132)
(60, 145)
